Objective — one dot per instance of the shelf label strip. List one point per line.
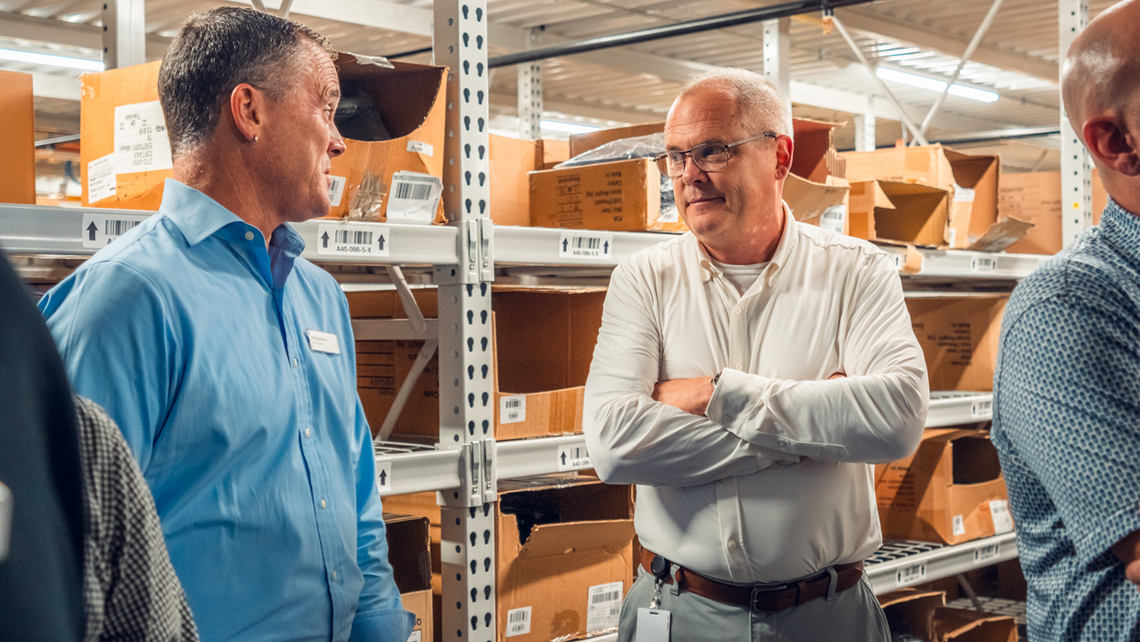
(573, 458)
(97, 230)
(585, 245)
(353, 239)
(982, 409)
(915, 574)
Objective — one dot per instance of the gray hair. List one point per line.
(760, 106)
(218, 50)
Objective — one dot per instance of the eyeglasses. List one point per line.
(707, 156)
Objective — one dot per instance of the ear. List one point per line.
(1110, 142)
(784, 150)
(247, 104)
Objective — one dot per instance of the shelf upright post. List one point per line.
(777, 54)
(530, 92)
(865, 140)
(1076, 174)
(124, 33)
(466, 399)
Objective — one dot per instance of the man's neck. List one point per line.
(749, 247)
(226, 179)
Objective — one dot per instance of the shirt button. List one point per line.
(737, 310)
(726, 481)
(306, 432)
(249, 236)
(736, 367)
(323, 504)
(294, 362)
(732, 545)
(334, 575)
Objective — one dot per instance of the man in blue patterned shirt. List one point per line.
(1067, 385)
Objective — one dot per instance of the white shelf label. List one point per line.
(983, 264)
(100, 229)
(963, 194)
(832, 219)
(982, 409)
(986, 553)
(999, 510)
(915, 574)
(518, 621)
(420, 147)
(141, 143)
(384, 477)
(585, 245)
(353, 239)
(898, 259)
(416, 636)
(573, 458)
(512, 409)
(603, 606)
(959, 525)
(414, 198)
(101, 182)
(336, 189)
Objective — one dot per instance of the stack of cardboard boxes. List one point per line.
(915, 614)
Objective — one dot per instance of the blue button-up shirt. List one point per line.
(1066, 425)
(195, 339)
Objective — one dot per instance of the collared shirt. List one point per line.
(774, 484)
(130, 591)
(195, 339)
(1067, 430)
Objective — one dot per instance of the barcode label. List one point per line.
(958, 525)
(963, 194)
(101, 181)
(573, 458)
(420, 147)
(414, 198)
(983, 264)
(832, 218)
(416, 636)
(999, 510)
(986, 553)
(100, 229)
(898, 260)
(982, 409)
(910, 575)
(336, 189)
(518, 621)
(589, 245)
(353, 239)
(603, 607)
(384, 477)
(669, 215)
(512, 409)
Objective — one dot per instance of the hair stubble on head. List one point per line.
(218, 50)
(760, 106)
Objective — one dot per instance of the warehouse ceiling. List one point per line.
(1017, 59)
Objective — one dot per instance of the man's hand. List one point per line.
(1128, 551)
(690, 395)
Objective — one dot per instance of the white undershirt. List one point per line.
(742, 276)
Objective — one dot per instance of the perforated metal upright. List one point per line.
(530, 92)
(1076, 174)
(465, 396)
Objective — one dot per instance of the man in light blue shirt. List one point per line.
(227, 359)
(1067, 383)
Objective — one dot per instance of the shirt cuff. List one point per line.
(1100, 538)
(382, 625)
(729, 398)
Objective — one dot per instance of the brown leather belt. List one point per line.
(761, 598)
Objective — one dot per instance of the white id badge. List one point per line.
(323, 342)
(653, 625)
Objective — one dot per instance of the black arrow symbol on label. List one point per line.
(91, 229)
(565, 245)
(381, 242)
(606, 247)
(325, 239)
(563, 458)
(383, 478)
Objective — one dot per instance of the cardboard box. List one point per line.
(622, 196)
(511, 159)
(560, 540)
(406, 120)
(906, 213)
(960, 625)
(18, 131)
(553, 152)
(1036, 198)
(409, 546)
(543, 339)
(910, 612)
(951, 490)
(959, 338)
(972, 180)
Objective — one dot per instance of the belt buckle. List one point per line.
(759, 591)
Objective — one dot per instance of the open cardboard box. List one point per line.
(17, 130)
(951, 490)
(959, 338)
(906, 213)
(560, 540)
(910, 612)
(404, 124)
(961, 625)
(972, 181)
(409, 553)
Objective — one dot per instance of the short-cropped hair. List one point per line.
(760, 106)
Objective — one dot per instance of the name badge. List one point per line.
(323, 342)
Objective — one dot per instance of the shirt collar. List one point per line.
(199, 217)
(779, 258)
(1122, 229)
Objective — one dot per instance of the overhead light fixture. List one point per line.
(567, 128)
(48, 59)
(923, 82)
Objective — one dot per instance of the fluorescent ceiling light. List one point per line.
(568, 128)
(48, 59)
(923, 82)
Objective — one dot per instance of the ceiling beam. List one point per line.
(872, 22)
(17, 26)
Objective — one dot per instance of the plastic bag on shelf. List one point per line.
(630, 149)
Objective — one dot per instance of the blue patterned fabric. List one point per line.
(1067, 429)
